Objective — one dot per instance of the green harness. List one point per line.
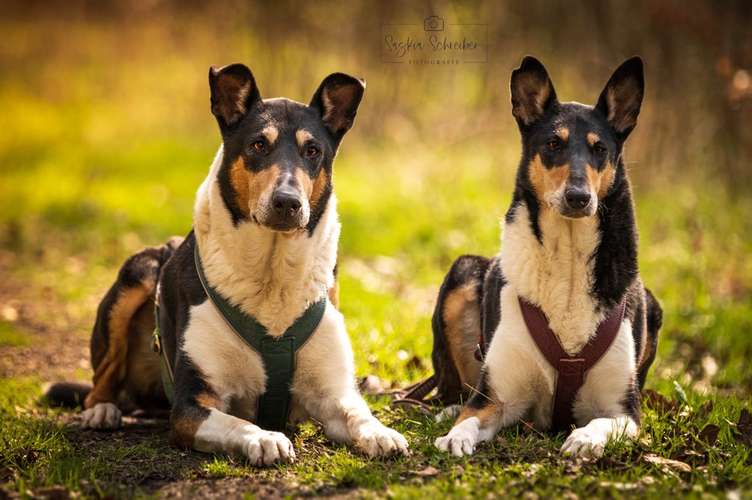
(277, 353)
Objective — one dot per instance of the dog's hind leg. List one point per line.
(115, 330)
(654, 322)
(457, 329)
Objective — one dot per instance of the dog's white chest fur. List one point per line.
(556, 275)
(236, 371)
(274, 278)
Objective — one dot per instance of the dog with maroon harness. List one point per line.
(558, 328)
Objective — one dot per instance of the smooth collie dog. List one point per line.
(564, 327)
(248, 328)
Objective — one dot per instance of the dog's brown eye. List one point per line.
(553, 144)
(312, 151)
(259, 146)
(599, 148)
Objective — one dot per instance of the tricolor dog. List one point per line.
(568, 331)
(248, 324)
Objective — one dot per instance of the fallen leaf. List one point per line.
(709, 434)
(744, 427)
(428, 471)
(667, 463)
(658, 401)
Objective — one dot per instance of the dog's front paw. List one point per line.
(458, 442)
(267, 447)
(101, 416)
(378, 440)
(585, 442)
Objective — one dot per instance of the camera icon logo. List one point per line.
(433, 23)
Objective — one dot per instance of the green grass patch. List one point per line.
(12, 336)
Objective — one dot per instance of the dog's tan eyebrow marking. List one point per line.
(303, 136)
(271, 133)
(563, 133)
(592, 138)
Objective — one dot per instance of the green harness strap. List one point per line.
(277, 353)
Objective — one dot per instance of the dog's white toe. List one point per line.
(456, 443)
(267, 448)
(584, 442)
(102, 416)
(378, 440)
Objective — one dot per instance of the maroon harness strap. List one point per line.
(571, 369)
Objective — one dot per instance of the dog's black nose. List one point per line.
(286, 203)
(577, 198)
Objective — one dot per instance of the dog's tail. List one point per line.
(66, 394)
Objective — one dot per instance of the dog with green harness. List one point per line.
(247, 335)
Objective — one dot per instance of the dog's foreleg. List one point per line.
(479, 421)
(482, 417)
(591, 440)
(199, 421)
(347, 419)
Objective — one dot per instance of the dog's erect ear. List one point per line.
(532, 91)
(233, 92)
(337, 99)
(621, 99)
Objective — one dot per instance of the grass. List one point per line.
(92, 170)
(395, 246)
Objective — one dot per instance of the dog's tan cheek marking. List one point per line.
(600, 182)
(112, 369)
(545, 180)
(240, 179)
(459, 303)
(319, 186)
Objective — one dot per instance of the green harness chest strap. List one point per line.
(277, 353)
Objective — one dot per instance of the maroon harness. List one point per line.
(571, 369)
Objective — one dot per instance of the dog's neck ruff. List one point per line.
(277, 353)
(570, 369)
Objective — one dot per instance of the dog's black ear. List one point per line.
(532, 91)
(621, 99)
(337, 100)
(233, 92)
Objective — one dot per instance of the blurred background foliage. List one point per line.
(106, 134)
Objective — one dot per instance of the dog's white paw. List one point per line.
(101, 416)
(267, 447)
(458, 442)
(378, 440)
(585, 442)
